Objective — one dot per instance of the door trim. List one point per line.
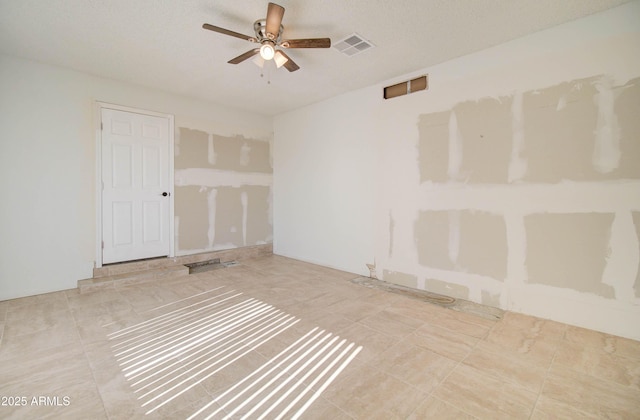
(99, 106)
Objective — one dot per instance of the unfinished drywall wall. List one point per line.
(223, 191)
(524, 189)
(472, 175)
(47, 158)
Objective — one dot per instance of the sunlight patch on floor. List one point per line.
(170, 354)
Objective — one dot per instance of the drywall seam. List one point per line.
(623, 257)
(565, 197)
(211, 203)
(262, 131)
(245, 151)
(517, 164)
(211, 152)
(221, 178)
(606, 151)
(455, 148)
(454, 235)
(244, 199)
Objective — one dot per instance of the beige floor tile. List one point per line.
(354, 310)
(483, 396)
(607, 343)
(372, 341)
(550, 409)
(379, 298)
(449, 343)
(40, 321)
(534, 338)
(4, 306)
(47, 339)
(595, 361)
(417, 360)
(77, 300)
(413, 308)
(507, 367)
(71, 401)
(43, 365)
(369, 393)
(200, 409)
(463, 323)
(604, 399)
(49, 307)
(234, 373)
(321, 409)
(434, 408)
(414, 365)
(38, 301)
(391, 324)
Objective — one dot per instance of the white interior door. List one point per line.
(136, 190)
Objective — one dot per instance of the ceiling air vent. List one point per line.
(352, 45)
(404, 88)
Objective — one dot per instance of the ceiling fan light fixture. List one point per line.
(267, 51)
(280, 59)
(258, 61)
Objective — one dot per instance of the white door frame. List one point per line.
(99, 106)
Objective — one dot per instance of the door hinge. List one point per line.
(102, 244)
(101, 127)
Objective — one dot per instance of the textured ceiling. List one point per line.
(161, 43)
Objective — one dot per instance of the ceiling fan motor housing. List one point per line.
(260, 28)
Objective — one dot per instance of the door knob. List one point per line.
(164, 194)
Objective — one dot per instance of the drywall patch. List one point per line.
(228, 221)
(483, 244)
(462, 240)
(627, 110)
(402, 279)
(569, 250)
(636, 222)
(258, 225)
(191, 207)
(433, 146)
(241, 154)
(194, 145)
(431, 234)
(559, 126)
(199, 149)
(485, 128)
(448, 289)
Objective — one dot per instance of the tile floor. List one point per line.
(278, 338)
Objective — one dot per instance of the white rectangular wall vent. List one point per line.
(352, 45)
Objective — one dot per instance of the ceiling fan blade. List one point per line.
(239, 59)
(228, 32)
(274, 19)
(289, 65)
(307, 43)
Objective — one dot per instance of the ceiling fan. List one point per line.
(268, 33)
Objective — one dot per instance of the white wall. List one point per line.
(47, 166)
(324, 162)
(353, 162)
